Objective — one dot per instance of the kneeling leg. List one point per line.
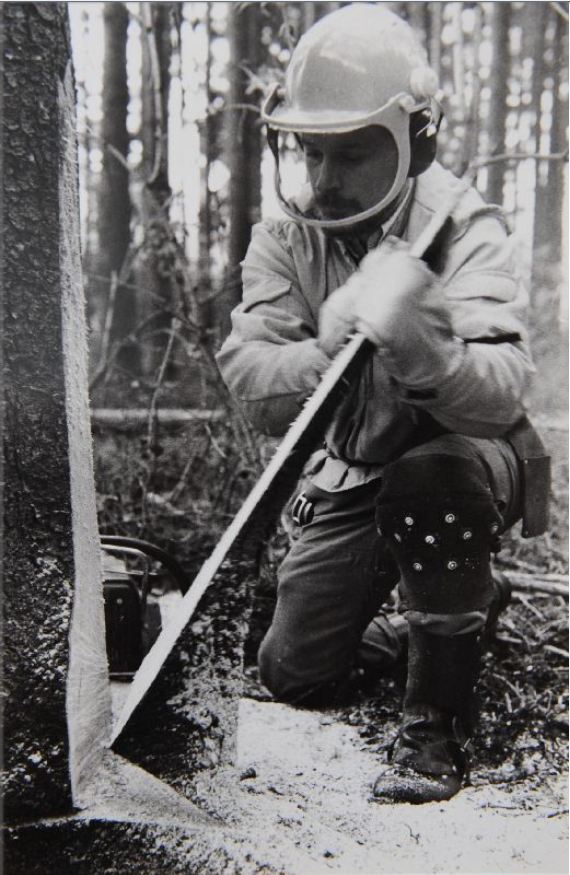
(440, 516)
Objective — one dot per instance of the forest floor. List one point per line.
(298, 795)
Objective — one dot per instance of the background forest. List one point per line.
(175, 170)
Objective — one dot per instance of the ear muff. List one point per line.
(423, 141)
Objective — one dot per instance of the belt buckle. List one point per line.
(303, 510)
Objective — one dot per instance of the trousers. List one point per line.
(340, 571)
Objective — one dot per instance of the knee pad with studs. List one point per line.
(441, 521)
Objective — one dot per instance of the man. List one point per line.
(417, 479)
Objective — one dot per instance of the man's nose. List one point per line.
(328, 179)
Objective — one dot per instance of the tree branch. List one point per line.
(147, 17)
(561, 12)
(519, 156)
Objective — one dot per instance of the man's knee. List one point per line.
(272, 669)
(294, 680)
(440, 517)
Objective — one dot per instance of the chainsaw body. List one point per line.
(139, 579)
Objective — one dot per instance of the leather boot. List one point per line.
(428, 761)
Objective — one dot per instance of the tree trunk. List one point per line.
(435, 15)
(244, 142)
(498, 104)
(417, 14)
(551, 59)
(539, 19)
(204, 290)
(114, 207)
(53, 671)
(154, 277)
(558, 136)
(471, 147)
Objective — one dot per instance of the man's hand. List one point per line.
(337, 318)
(402, 309)
(395, 288)
(398, 304)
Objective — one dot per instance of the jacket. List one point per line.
(272, 362)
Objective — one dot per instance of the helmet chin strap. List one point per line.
(350, 221)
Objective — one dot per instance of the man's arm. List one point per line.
(271, 360)
(453, 345)
(487, 391)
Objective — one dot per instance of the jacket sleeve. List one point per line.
(485, 392)
(271, 361)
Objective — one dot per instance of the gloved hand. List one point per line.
(337, 318)
(400, 306)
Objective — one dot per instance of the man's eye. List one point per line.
(350, 158)
(312, 155)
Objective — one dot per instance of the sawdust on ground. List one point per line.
(299, 796)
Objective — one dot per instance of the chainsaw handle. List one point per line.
(121, 542)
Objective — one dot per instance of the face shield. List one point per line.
(287, 128)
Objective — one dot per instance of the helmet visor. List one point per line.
(341, 180)
(337, 176)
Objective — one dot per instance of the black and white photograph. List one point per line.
(285, 422)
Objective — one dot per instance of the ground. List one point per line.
(300, 787)
(310, 783)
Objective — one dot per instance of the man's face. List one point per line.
(350, 173)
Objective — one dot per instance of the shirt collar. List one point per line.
(395, 225)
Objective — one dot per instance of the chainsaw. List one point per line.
(135, 591)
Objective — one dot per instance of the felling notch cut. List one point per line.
(265, 501)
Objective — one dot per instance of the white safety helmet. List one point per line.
(359, 66)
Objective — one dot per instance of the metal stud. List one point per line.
(397, 537)
(450, 517)
(409, 520)
(467, 535)
(429, 539)
(452, 565)
(417, 566)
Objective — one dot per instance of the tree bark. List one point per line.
(435, 16)
(498, 104)
(244, 142)
(203, 303)
(558, 136)
(471, 147)
(539, 18)
(153, 269)
(50, 546)
(550, 55)
(418, 17)
(114, 206)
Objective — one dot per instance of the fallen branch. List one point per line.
(533, 585)
(535, 573)
(138, 417)
(558, 650)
